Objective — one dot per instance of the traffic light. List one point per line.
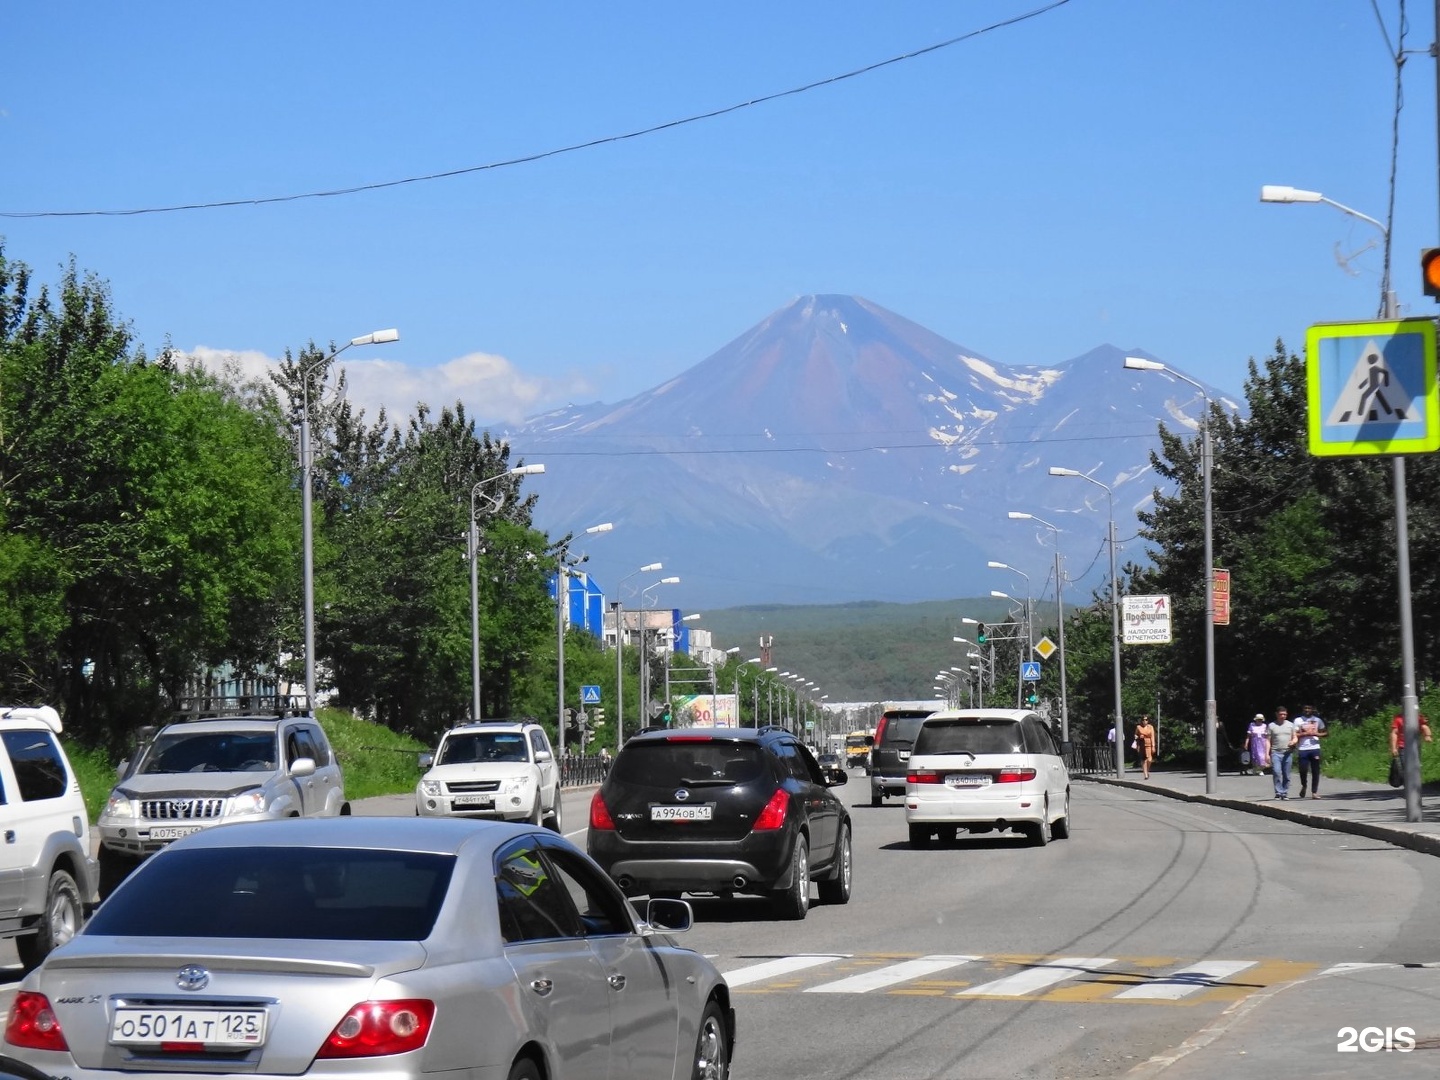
(1032, 699)
(598, 717)
(1430, 271)
(982, 635)
(665, 716)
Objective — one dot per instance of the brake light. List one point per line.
(1014, 776)
(688, 738)
(378, 1028)
(773, 816)
(926, 776)
(600, 815)
(32, 1023)
(880, 728)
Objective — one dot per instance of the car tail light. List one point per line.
(1014, 776)
(925, 776)
(880, 729)
(32, 1023)
(600, 815)
(773, 816)
(378, 1028)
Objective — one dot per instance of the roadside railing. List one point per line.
(578, 771)
(1091, 759)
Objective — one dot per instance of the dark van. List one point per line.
(894, 739)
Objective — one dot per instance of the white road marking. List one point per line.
(1173, 987)
(1038, 977)
(785, 965)
(891, 974)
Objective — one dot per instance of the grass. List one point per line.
(1361, 751)
(375, 760)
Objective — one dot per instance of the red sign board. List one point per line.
(1220, 591)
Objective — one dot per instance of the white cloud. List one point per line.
(491, 387)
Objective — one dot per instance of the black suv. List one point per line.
(723, 811)
(890, 752)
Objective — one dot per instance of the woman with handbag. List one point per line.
(1144, 744)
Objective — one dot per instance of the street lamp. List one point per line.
(1056, 470)
(670, 654)
(1410, 704)
(618, 607)
(1016, 515)
(473, 535)
(563, 563)
(378, 337)
(647, 601)
(1139, 363)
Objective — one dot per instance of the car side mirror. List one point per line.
(869, 740)
(669, 916)
(425, 760)
(835, 776)
(542, 756)
(302, 766)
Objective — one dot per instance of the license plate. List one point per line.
(966, 781)
(212, 1027)
(473, 800)
(680, 813)
(172, 832)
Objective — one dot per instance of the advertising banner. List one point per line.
(1145, 620)
(706, 710)
(1220, 583)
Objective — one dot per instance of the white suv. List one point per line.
(212, 770)
(495, 769)
(47, 874)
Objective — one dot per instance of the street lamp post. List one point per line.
(1409, 702)
(618, 607)
(564, 563)
(378, 337)
(1056, 470)
(1139, 363)
(644, 648)
(474, 545)
(1016, 515)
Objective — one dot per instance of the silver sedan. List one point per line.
(375, 947)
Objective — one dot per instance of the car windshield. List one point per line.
(210, 751)
(996, 735)
(469, 746)
(280, 892)
(691, 762)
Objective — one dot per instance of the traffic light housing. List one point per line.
(1430, 271)
(1032, 699)
(982, 634)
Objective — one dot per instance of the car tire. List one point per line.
(1039, 831)
(792, 903)
(64, 913)
(947, 834)
(712, 1046)
(536, 814)
(919, 836)
(114, 868)
(524, 1069)
(554, 821)
(1060, 828)
(877, 798)
(837, 889)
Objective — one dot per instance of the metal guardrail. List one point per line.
(578, 771)
(1091, 759)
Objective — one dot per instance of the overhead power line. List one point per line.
(543, 154)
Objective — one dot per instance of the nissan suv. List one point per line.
(890, 753)
(216, 768)
(47, 875)
(501, 769)
(723, 811)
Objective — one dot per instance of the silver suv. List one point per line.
(47, 875)
(213, 770)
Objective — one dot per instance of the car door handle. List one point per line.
(542, 986)
(617, 982)
(10, 836)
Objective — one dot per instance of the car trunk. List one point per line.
(701, 789)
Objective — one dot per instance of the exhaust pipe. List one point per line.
(739, 883)
(625, 881)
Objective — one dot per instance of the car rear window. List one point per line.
(901, 728)
(983, 736)
(691, 762)
(333, 894)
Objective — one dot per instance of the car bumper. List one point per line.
(986, 806)
(504, 809)
(759, 863)
(888, 785)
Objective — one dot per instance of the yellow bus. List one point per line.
(857, 748)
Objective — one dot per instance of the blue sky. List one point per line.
(1087, 176)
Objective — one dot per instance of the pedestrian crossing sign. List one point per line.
(1371, 388)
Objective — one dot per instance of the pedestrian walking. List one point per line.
(1145, 744)
(1257, 741)
(1397, 733)
(1309, 730)
(1281, 731)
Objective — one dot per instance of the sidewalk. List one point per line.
(1376, 811)
(1289, 1031)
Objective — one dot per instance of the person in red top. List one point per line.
(1397, 733)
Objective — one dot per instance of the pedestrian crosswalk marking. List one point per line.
(1039, 977)
(1186, 981)
(905, 971)
(783, 965)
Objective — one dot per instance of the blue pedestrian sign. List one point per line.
(1030, 671)
(1371, 388)
(589, 695)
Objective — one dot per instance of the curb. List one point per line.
(1424, 843)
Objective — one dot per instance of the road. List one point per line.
(1157, 927)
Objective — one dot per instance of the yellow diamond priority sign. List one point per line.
(1046, 648)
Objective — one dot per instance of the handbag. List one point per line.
(1397, 777)
(1245, 758)
(1134, 744)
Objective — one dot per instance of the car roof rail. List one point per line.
(222, 706)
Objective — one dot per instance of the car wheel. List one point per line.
(712, 1046)
(114, 868)
(64, 912)
(554, 822)
(1060, 830)
(877, 798)
(794, 902)
(919, 836)
(536, 811)
(947, 834)
(837, 889)
(524, 1069)
(1039, 832)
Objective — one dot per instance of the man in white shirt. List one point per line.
(1309, 730)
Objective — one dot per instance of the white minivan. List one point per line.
(986, 770)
